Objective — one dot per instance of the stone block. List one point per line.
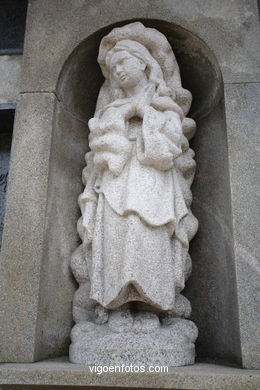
(69, 144)
(47, 158)
(23, 234)
(212, 285)
(61, 374)
(230, 29)
(242, 103)
(40, 230)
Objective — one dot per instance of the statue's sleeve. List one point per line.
(88, 199)
(159, 142)
(108, 140)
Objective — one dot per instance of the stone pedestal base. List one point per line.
(168, 345)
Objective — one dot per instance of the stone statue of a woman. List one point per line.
(136, 220)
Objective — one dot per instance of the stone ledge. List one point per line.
(59, 372)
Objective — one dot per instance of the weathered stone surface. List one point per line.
(219, 336)
(229, 28)
(39, 233)
(242, 102)
(212, 285)
(23, 234)
(61, 373)
(10, 77)
(136, 209)
(170, 345)
(69, 143)
(81, 77)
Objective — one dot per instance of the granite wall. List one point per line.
(216, 46)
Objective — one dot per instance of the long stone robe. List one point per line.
(134, 209)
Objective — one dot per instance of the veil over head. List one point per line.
(138, 50)
(154, 49)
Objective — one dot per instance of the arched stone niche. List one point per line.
(212, 286)
(81, 77)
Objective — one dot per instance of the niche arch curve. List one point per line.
(80, 78)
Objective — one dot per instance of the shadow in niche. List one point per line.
(212, 286)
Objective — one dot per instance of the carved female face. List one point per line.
(127, 70)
